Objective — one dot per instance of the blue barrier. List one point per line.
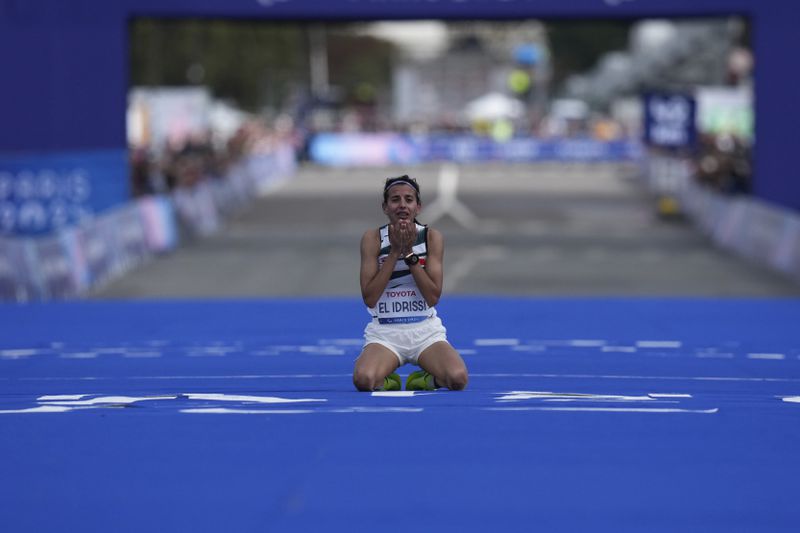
(761, 232)
(363, 149)
(69, 261)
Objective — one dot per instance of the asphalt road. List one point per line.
(525, 230)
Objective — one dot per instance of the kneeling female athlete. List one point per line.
(401, 282)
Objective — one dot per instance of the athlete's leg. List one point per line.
(446, 365)
(373, 365)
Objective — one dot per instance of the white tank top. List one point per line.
(402, 301)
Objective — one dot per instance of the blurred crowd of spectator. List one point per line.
(364, 119)
(723, 162)
(185, 161)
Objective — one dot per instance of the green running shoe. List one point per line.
(420, 380)
(391, 382)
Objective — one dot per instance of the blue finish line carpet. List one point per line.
(580, 415)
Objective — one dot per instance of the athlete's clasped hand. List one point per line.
(402, 236)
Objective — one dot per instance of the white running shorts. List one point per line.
(406, 341)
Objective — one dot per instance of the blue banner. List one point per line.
(43, 192)
(669, 120)
(391, 148)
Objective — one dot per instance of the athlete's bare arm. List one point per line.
(373, 278)
(429, 279)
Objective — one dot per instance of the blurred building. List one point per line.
(477, 61)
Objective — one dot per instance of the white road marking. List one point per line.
(103, 400)
(113, 349)
(40, 409)
(529, 348)
(141, 355)
(767, 356)
(18, 354)
(659, 344)
(496, 342)
(715, 355)
(56, 397)
(446, 202)
(568, 396)
(321, 350)
(210, 351)
(228, 411)
(343, 342)
(249, 399)
(158, 342)
(345, 410)
(375, 410)
(620, 349)
(401, 393)
(606, 409)
(79, 355)
(586, 343)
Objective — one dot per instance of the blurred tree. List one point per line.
(360, 65)
(576, 45)
(254, 63)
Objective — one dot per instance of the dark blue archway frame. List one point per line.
(64, 67)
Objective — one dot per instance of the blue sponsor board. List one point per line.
(363, 149)
(389, 148)
(670, 120)
(40, 193)
(532, 150)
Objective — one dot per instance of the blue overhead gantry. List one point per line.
(64, 66)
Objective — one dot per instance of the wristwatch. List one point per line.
(411, 259)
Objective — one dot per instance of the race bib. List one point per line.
(403, 305)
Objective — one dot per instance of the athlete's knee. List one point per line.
(458, 379)
(364, 381)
